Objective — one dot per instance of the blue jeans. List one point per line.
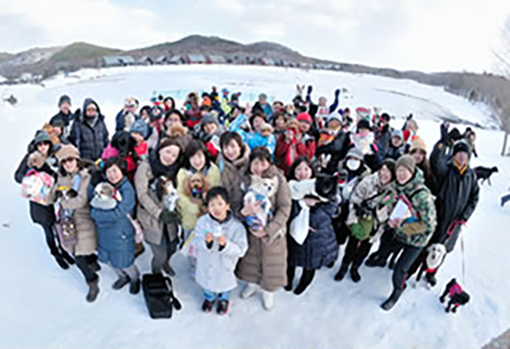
(212, 296)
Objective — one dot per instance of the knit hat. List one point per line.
(305, 117)
(209, 118)
(364, 123)
(355, 153)
(407, 161)
(390, 164)
(141, 127)
(397, 133)
(42, 136)
(418, 144)
(67, 151)
(461, 146)
(64, 99)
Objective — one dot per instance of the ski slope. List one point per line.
(42, 306)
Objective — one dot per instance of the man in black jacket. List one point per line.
(64, 115)
(89, 133)
(458, 192)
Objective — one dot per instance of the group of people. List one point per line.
(249, 193)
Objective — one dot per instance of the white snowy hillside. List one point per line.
(42, 306)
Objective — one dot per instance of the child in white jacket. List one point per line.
(220, 240)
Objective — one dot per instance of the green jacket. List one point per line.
(418, 233)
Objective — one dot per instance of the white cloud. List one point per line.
(96, 21)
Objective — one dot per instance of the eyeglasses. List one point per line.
(64, 161)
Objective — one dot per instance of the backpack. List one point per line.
(159, 296)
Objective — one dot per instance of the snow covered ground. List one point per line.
(43, 306)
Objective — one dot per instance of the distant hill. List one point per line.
(46, 62)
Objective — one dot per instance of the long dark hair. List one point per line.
(298, 162)
(195, 146)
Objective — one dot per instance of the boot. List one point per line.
(61, 262)
(207, 306)
(249, 291)
(222, 308)
(67, 257)
(390, 302)
(375, 261)
(134, 286)
(168, 270)
(305, 281)
(355, 274)
(341, 273)
(95, 266)
(267, 300)
(121, 282)
(93, 290)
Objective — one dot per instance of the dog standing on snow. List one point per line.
(456, 294)
(485, 173)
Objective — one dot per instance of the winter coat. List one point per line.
(286, 153)
(85, 228)
(150, 207)
(115, 232)
(66, 119)
(40, 214)
(383, 136)
(90, 140)
(215, 266)
(189, 208)
(394, 153)
(320, 247)
(419, 232)
(265, 263)
(457, 195)
(232, 176)
(120, 120)
(368, 195)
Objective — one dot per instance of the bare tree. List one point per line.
(502, 54)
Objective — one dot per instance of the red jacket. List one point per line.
(286, 153)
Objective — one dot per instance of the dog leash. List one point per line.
(463, 259)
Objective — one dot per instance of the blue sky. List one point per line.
(429, 35)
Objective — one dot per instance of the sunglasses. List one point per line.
(64, 161)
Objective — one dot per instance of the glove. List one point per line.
(337, 93)
(310, 89)
(409, 117)
(357, 231)
(168, 217)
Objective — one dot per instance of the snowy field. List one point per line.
(42, 306)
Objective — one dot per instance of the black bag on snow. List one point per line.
(159, 296)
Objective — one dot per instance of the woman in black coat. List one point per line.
(40, 158)
(320, 246)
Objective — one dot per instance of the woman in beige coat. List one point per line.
(265, 263)
(71, 192)
(159, 223)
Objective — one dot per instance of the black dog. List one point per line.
(485, 173)
(457, 296)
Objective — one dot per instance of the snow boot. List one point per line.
(267, 300)
(93, 290)
(121, 282)
(375, 261)
(134, 286)
(341, 273)
(390, 302)
(168, 270)
(249, 291)
(61, 262)
(207, 306)
(67, 257)
(222, 308)
(355, 274)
